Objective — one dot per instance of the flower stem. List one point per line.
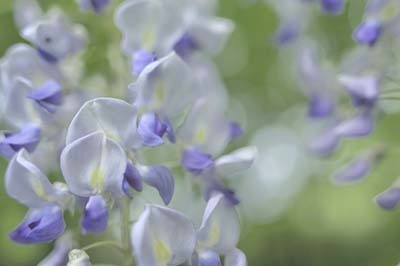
(103, 244)
(125, 232)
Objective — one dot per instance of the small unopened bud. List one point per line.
(78, 257)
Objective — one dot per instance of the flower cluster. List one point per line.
(98, 150)
(345, 99)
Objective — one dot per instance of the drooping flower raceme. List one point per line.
(175, 103)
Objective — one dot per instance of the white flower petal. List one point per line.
(162, 236)
(166, 86)
(212, 33)
(235, 162)
(220, 228)
(26, 183)
(153, 25)
(93, 164)
(114, 117)
(235, 257)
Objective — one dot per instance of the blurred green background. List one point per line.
(325, 225)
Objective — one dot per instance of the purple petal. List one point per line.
(286, 33)
(133, 177)
(95, 217)
(358, 126)
(195, 161)
(151, 130)
(97, 6)
(47, 56)
(320, 105)
(159, 177)
(48, 96)
(141, 59)
(27, 138)
(186, 45)
(368, 32)
(236, 131)
(364, 91)
(325, 144)
(228, 193)
(389, 199)
(333, 7)
(355, 171)
(40, 225)
(209, 258)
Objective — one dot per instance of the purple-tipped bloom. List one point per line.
(228, 193)
(186, 45)
(27, 138)
(141, 59)
(364, 91)
(389, 199)
(236, 131)
(333, 7)
(151, 130)
(48, 96)
(286, 33)
(40, 225)
(133, 177)
(358, 126)
(95, 217)
(195, 161)
(97, 6)
(325, 144)
(320, 105)
(355, 171)
(209, 258)
(368, 32)
(159, 177)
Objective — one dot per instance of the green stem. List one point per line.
(125, 232)
(103, 244)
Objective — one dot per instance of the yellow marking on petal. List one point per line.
(390, 11)
(97, 180)
(214, 234)
(201, 134)
(159, 95)
(162, 252)
(38, 188)
(112, 137)
(148, 39)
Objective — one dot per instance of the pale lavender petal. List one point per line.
(159, 177)
(354, 171)
(59, 255)
(235, 257)
(209, 258)
(389, 199)
(357, 126)
(141, 59)
(325, 144)
(363, 90)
